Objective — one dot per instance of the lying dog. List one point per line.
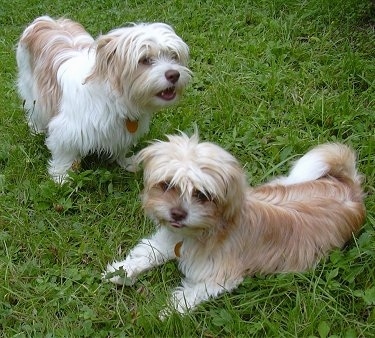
(220, 230)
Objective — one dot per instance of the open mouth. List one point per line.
(167, 94)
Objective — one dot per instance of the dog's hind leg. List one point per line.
(191, 294)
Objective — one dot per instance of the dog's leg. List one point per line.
(63, 152)
(59, 166)
(150, 252)
(190, 294)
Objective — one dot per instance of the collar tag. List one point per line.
(177, 249)
(131, 126)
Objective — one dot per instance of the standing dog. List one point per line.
(219, 229)
(97, 95)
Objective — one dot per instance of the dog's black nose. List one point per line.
(172, 75)
(178, 214)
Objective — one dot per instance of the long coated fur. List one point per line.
(97, 95)
(219, 229)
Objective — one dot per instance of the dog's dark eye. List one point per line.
(146, 61)
(174, 57)
(202, 197)
(164, 186)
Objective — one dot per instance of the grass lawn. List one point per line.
(271, 79)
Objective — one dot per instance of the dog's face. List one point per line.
(189, 186)
(145, 63)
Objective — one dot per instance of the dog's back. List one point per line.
(45, 33)
(43, 47)
(302, 216)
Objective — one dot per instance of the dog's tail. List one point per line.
(330, 159)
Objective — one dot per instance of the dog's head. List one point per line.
(191, 186)
(144, 63)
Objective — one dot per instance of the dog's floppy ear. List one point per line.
(146, 154)
(106, 47)
(104, 67)
(235, 191)
(147, 158)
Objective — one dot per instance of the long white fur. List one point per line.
(80, 91)
(314, 165)
(236, 230)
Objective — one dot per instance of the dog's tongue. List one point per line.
(167, 94)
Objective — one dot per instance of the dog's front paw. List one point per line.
(116, 274)
(169, 310)
(128, 163)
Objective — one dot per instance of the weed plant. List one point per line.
(271, 79)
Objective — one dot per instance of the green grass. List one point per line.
(271, 79)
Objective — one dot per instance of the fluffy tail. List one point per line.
(332, 159)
